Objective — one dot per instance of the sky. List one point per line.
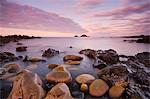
(65, 18)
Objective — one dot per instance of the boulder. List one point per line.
(116, 91)
(99, 64)
(84, 87)
(58, 77)
(52, 66)
(98, 88)
(21, 49)
(27, 85)
(144, 58)
(50, 52)
(89, 52)
(84, 78)
(59, 91)
(70, 62)
(60, 68)
(72, 57)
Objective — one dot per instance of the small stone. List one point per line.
(84, 88)
(72, 57)
(84, 78)
(78, 95)
(98, 88)
(116, 91)
(60, 68)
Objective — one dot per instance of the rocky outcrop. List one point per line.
(7, 57)
(59, 91)
(50, 52)
(109, 56)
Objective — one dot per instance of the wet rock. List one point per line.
(59, 91)
(60, 68)
(89, 52)
(113, 74)
(144, 58)
(72, 57)
(21, 49)
(12, 67)
(84, 87)
(33, 59)
(7, 57)
(36, 59)
(109, 56)
(70, 62)
(52, 66)
(84, 78)
(2, 71)
(99, 64)
(116, 91)
(141, 77)
(50, 52)
(98, 88)
(59, 75)
(78, 95)
(26, 85)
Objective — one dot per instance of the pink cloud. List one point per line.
(124, 11)
(88, 3)
(27, 17)
(134, 1)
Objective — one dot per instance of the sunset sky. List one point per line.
(75, 17)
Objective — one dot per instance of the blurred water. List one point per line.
(37, 46)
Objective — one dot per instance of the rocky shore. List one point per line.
(14, 38)
(141, 39)
(117, 76)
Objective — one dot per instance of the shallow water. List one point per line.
(37, 46)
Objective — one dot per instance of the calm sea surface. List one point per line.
(37, 46)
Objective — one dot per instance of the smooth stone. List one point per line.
(84, 78)
(72, 62)
(98, 88)
(116, 91)
(58, 77)
(52, 66)
(72, 57)
(84, 87)
(59, 91)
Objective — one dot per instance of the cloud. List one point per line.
(88, 3)
(26, 17)
(134, 1)
(124, 11)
